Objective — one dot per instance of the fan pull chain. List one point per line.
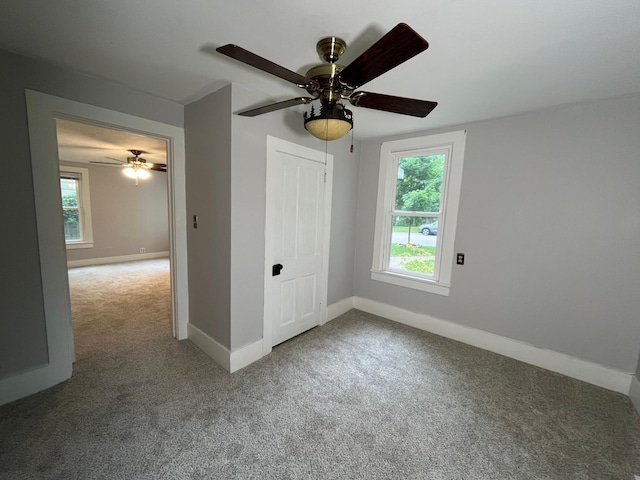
(326, 148)
(351, 149)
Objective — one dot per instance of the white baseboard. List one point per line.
(245, 356)
(339, 308)
(586, 371)
(118, 259)
(634, 392)
(208, 345)
(242, 357)
(26, 383)
(230, 361)
(573, 367)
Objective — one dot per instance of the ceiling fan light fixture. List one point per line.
(130, 172)
(331, 82)
(333, 122)
(137, 172)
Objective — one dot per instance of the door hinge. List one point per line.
(325, 177)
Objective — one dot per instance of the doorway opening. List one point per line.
(42, 110)
(110, 218)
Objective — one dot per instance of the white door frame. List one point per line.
(275, 145)
(42, 110)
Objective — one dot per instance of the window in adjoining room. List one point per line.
(76, 207)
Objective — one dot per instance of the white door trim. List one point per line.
(275, 145)
(42, 109)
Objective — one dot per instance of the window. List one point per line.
(418, 196)
(76, 207)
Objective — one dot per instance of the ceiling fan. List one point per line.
(331, 82)
(136, 166)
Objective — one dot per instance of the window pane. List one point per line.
(413, 244)
(419, 183)
(71, 225)
(69, 190)
(70, 212)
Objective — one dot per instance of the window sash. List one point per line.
(80, 176)
(77, 180)
(396, 157)
(389, 246)
(452, 144)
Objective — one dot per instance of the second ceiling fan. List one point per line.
(135, 167)
(331, 82)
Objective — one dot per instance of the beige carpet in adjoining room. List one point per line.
(358, 398)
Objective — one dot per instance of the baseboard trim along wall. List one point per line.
(573, 367)
(240, 358)
(234, 361)
(246, 355)
(118, 259)
(26, 383)
(339, 308)
(208, 345)
(230, 361)
(634, 392)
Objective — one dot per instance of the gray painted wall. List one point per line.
(125, 217)
(22, 328)
(208, 184)
(248, 182)
(226, 178)
(550, 225)
(344, 237)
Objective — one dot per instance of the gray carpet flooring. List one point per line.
(358, 398)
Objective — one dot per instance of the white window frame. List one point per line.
(84, 206)
(453, 143)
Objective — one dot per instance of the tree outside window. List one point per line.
(417, 197)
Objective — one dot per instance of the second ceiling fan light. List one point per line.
(137, 172)
(136, 167)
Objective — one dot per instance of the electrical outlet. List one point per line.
(460, 258)
(143, 250)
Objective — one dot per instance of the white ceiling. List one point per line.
(486, 58)
(83, 143)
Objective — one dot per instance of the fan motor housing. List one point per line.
(324, 76)
(331, 48)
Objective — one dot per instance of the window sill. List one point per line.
(411, 282)
(74, 245)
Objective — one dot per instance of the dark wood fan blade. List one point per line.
(396, 47)
(389, 103)
(160, 167)
(107, 163)
(276, 106)
(245, 56)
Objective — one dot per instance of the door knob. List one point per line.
(276, 269)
